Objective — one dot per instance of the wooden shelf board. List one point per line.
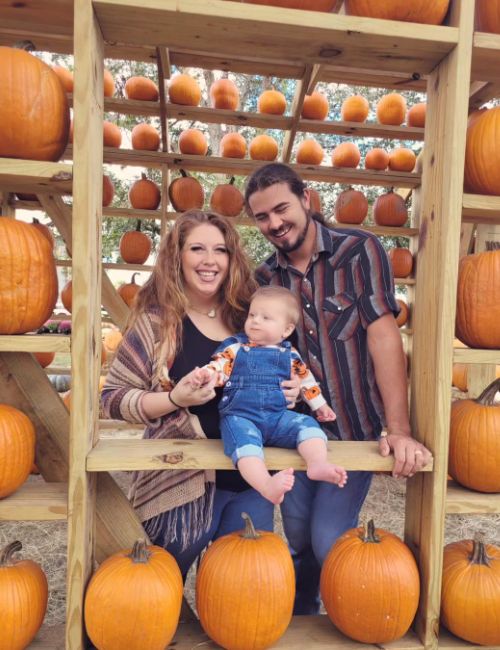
(477, 208)
(114, 455)
(485, 53)
(447, 641)
(35, 176)
(380, 230)
(35, 343)
(36, 500)
(469, 355)
(460, 500)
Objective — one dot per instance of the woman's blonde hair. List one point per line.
(164, 290)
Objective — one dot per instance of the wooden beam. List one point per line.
(33, 176)
(296, 110)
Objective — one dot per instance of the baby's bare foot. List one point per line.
(329, 472)
(278, 485)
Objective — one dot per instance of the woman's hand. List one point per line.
(188, 393)
(291, 390)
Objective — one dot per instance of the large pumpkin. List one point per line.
(474, 449)
(470, 596)
(28, 278)
(351, 206)
(478, 300)
(23, 599)
(186, 192)
(482, 153)
(245, 589)
(34, 109)
(135, 246)
(134, 600)
(144, 194)
(370, 585)
(310, 5)
(17, 449)
(390, 209)
(430, 12)
(227, 199)
(488, 16)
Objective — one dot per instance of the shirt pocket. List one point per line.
(341, 315)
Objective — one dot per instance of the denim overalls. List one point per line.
(253, 408)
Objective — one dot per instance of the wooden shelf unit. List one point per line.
(36, 501)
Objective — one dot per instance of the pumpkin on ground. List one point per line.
(377, 158)
(17, 449)
(488, 16)
(135, 246)
(129, 290)
(34, 109)
(401, 261)
(245, 589)
(309, 152)
(224, 93)
(370, 585)
(272, 102)
(144, 194)
(474, 449)
(346, 154)
(430, 12)
(310, 5)
(263, 147)
(142, 89)
(23, 599)
(134, 600)
(233, 145)
(391, 109)
(184, 90)
(145, 137)
(390, 209)
(227, 199)
(315, 106)
(186, 192)
(351, 206)
(193, 142)
(470, 595)
(355, 109)
(28, 275)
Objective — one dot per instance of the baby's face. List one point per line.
(267, 322)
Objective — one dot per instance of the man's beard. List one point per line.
(287, 247)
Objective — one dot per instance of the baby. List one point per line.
(253, 410)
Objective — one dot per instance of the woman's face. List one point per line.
(204, 261)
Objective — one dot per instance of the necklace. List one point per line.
(211, 313)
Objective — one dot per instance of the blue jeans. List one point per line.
(228, 507)
(315, 514)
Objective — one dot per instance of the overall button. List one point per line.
(246, 348)
(228, 383)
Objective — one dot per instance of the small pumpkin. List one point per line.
(141, 588)
(390, 209)
(401, 261)
(263, 147)
(346, 154)
(17, 449)
(315, 106)
(65, 77)
(309, 5)
(44, 358)
(402, 317)
(67, 296)
(142, 89)
(402, 159)
(470, 595)
(224, 93)
(129, 290)
(310, 152)
(351, 206)
(488, 16)
(111, 135)
(135, 246)
(145, 137)
(108, 191)
(355, 109)
(233, 145)
(377, 158)
(186, 192)
(193, 142)
(245, 588)
(184, 90)
(315, 201)
(108, 83)
(430, 12)
(391, 109)
(227, 199)
(416, 115)
(370, 585)
(23, 598)
(144, 194)
(272, 102)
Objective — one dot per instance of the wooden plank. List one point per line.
(469, 355)
(36, 500)
(296, 109)
(389, 231)
(477, 208)
(461, 501)
(482, 92)
(485, 58)
(433, 317)
(35, 343)
(35, 176)
(447, 641)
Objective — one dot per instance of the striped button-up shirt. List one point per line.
(347, 286)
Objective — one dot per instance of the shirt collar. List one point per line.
(323, 244)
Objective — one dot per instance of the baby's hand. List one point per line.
(198, 377)
(325, 414)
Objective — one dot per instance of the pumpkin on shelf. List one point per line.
(272, 102)
(186, 192)
(430, 12)
(391, 109)
(351, 206)
(404, 314)
(233, 145)
(346, 154)
(226, 199)
(401, 261)
(142, 89)
(144, 194)
(474, 449)
(315, 106)
(488, 16)
(470, 594)
(390, 209)
(478, 300)
(67, 296)
(129, 290)
(17, 449)
(402, 159)
(142, 589)
(371, 571)
(482, 154)
(245, 588)
(34, 109)
(111, 135)
(145, 137)
(108, 83)
(315, 200)
(108, 191)
(24, 595)
(224, 94)
(310, 5)
(135, 246)
(28, 277)
(263, 147)
(193, 142)
(416, 115)
(355, 109)
(460, 373)
(184, 90)
(377, 158)
(309, 152)
(44, 358)
(65, 77)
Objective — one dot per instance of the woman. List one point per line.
(197, 295)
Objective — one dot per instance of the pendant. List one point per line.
(212, 313)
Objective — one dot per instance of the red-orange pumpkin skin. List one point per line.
(370, 585)
(482, 154)
(390, 209)
(431, 12)
(401, 261)
(351, 206)
(17, 449)
(488, 16)
(186, 192)
(227, 200)
(135, 246)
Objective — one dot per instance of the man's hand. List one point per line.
(410, 456)
(325, 414)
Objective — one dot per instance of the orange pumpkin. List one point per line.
(245, 588)
(346, 154)
(23, 599)
(142, 89)
(65, 77)
(470, 595)
(390, 209)
(315, 200)
(111, 134)
(263, 147)
(271, 101)
(34, 109)
(28, 277)
(227, 199)
(233, 145)
(402, 317)
(67, 295)
(351, 206)
(44, 358)
(478, 300)
(141, 588)
(144, 194)
(310, 5)
(377, 158)
(310, 152)
(184, 90)
(145, 137)
(315, 106)
(460, 373)
(402, 262)
(108, 83)
(112, 340)
(355, 109)
(108, 191)
(45, 230)
(186, 192)
(430, 12)
(193, 142)
(17, 449)
(374, 573)
(488, 16)
(135, 246)
(402, 159)
(482, 155)
(416, 115)
(391, 109)
(129, 291)
(224, 93)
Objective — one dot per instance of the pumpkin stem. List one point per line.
(27, 46)
(144, 177)
(7, 552)
(132, 281)
(183, 173)
(249, 532)
(369, 535)
(487, 397)
(140, 554)
(479, 554)
(138, 225)
(231, 182)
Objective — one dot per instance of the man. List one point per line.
(349, 338)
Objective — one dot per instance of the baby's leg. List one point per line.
(313, 451)
(273, 488)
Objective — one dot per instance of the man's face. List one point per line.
(281, 216)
